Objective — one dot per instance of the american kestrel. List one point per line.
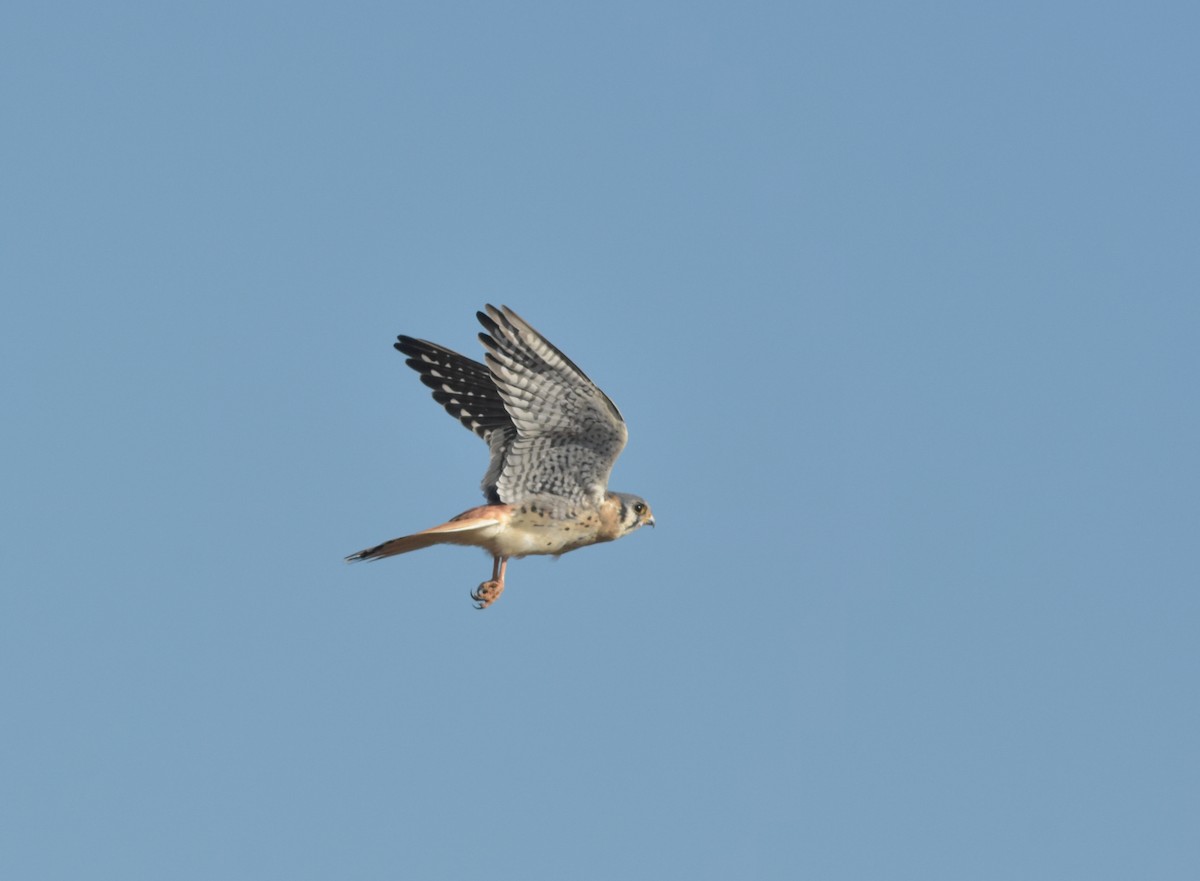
(553, 436)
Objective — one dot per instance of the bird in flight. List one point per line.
(553, 438)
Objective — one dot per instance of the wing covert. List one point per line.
(568, 433)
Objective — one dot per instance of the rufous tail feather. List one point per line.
(454, 532)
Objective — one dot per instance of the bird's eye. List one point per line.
(639, 508)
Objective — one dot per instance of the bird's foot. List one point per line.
(487, 593)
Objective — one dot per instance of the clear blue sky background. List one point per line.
(901, 303)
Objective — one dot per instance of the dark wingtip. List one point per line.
(407, 345)
(487, 319)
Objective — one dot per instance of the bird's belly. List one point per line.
(547, 537)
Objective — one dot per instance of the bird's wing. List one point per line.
(465, 388)
(568, 433)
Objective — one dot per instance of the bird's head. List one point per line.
(634, 512)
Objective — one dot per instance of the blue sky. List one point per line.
(900, 303)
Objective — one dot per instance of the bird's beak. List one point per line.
(650, 522)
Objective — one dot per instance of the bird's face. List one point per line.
(635, 512)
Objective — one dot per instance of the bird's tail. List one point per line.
(468, 528)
